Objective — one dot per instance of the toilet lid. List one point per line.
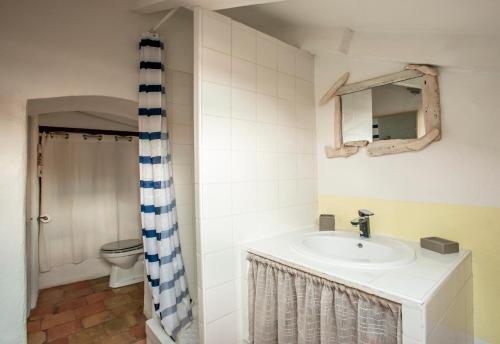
(122, 245)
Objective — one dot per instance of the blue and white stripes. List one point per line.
(162, 251)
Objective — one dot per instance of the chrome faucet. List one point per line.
(363, 221)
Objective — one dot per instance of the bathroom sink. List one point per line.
(347, 249)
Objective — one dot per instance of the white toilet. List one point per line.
(127, 261)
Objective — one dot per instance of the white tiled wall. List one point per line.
(179, 93)
(255, 157)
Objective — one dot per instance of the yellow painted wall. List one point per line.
(475, 228)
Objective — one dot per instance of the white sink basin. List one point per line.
(349, 250)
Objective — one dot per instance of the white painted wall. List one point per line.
(462, 168)
(65, 48)
(254, 140)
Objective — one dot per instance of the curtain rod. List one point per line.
(164, 19)
(48, 129)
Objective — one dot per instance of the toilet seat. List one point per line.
(122, 246)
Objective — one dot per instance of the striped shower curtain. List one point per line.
(162, 251)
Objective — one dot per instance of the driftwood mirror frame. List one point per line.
(430, 105)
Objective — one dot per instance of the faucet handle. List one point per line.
(365, 213)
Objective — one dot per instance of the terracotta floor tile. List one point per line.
(33, 326)
(120, 338)
(87, 335)
(72, 304)
(63, 330)
(125, 290)
(50, 296)
(101, 286)
(41, 311)
(97, 319)
(118, 300)
(139, 330)
(73, 294)
(52, 320)
(64, 340)
(104, 279)
(88, 310)
(76, 286)
(99, 296)
(36, 337)
(116, 325)
(131, 308)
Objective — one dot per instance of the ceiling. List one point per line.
(437, 16)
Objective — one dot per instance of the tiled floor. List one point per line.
(88, 312)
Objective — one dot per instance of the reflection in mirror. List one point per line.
(392, 111)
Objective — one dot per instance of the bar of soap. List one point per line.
(439, 245)
(326, 222)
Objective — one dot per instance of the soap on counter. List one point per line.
(439, 245)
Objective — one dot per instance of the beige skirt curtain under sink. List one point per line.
(288, 306)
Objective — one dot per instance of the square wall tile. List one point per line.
(245, 227)
(180, 113)
(216, 132)
(304, 115)
(217, 234)
(216, 67)
(266, 137)
(216, 200)
(267, 108)
(182, 134)
(267, 81)
(287, 193)
(182, 154)
(244, 104)
(220, 301)
(287, 166)
(243, 166)
(185, 215)
(216, 34)
(244, 42)
(243, 135)
(267, 51)
(244, 74)
(304, 91)
(267, 166)
(267, 195)
(306, 166)
(216, 99)
(223, 330)
(286, 113)
(304, 66)
(216, 166)
(287, 140)
(183, 173)
(219, 267)
(305, 141)
(244, 197)
(184, 194)
(413, 324)
(286, 86)
(286, 59)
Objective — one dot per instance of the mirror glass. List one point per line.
(392, 111)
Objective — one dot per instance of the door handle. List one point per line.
(44, 219)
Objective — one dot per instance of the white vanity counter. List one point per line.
(435, 290)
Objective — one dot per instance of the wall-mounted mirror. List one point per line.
(394, 113)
